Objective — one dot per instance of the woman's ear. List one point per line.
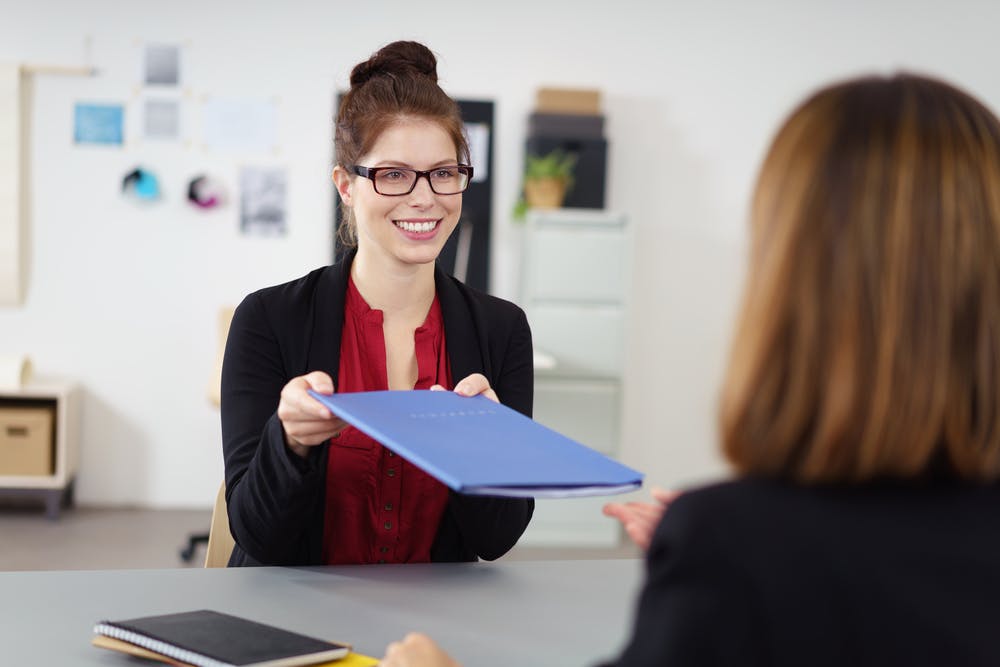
(342, 181)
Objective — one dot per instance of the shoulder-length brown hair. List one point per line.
(869, 340)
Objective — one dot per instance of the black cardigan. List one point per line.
(276, 499)
(762, 573)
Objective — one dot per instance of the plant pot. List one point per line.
(545, 192)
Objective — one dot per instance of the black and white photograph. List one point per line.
(162, 65)
(162, 119)
(478, 135)
(262, 201)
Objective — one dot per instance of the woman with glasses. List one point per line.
(302, 486)
(861, 408)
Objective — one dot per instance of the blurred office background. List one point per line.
(121, 297)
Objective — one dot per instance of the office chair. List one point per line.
(220, 540)
(215, 396)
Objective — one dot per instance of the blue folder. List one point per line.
(479, 447)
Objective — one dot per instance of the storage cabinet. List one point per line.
(574, 289)
(39, 427)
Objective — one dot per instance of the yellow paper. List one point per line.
(351, 660)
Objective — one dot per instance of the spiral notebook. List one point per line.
(479, 447)
(208, 638)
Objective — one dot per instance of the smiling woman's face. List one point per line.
(406, 229)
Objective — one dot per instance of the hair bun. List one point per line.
(397, 59)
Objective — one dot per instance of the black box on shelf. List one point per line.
(565, 126)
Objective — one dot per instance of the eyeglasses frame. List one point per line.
(371, 172)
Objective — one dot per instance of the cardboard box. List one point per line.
(568, 100)
(27, 441)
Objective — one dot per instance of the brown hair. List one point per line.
(399, 81)
(868, 341)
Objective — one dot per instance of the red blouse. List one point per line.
(381, 508)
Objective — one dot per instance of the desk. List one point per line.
(486, 614)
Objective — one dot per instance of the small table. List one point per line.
(56, 487)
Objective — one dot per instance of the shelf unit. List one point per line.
(575, 278)
(56, 488)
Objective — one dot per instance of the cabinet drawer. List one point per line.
(583, 340)
(576, 264)
(588, 412)
(26, 441)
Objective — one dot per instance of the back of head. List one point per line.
(869, 342)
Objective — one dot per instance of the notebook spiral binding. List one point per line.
(155, 645)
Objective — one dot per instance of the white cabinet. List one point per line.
(39, 430)
(574, 288)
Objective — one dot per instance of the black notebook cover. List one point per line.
(212, 639)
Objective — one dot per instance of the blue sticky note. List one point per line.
(146, 186)
(98, 124)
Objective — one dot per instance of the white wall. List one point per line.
(123, 298)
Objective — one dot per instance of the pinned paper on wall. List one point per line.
(262, 201)
(478, 135)
(205, 192)
(141, 184)
(98, 124)
(239, 125)
(162, 119)
(162, 65)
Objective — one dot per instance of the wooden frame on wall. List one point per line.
(16, 92)
(14, 116)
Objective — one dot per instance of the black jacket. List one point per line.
(755, 573)
(275, 499)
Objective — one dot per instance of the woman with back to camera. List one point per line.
(861, 408)
(303, 487)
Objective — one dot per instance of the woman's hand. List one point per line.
(416, 650)
(306, 421)
(641, 519)
(473, 385)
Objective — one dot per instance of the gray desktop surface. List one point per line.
(502, 613)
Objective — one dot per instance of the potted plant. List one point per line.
(547, 178)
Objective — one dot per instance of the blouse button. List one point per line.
(381, 561)
(384, 550)
(391, 472)
(392, 453)
(388, 507)
(388, 525)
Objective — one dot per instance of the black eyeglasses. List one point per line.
(396, 181)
